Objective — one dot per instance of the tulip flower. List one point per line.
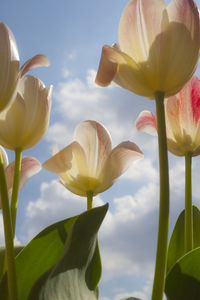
(29, 167)
(89, 164)
(25, 121)
(182, 114)
(158, 48)
(9, 62)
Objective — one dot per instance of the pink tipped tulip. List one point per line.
(90, 164)
(25, 121)
(182, 112)
(29, 167)
(9, 62)
(158, 48)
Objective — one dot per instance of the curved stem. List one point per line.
(161, 256)
(11, 271)
(14, 199)
(188, 203)
(89, 200)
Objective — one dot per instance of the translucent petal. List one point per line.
(39, 60)
(96, 143)
(140, 22)
(147, 122)
(118, 162)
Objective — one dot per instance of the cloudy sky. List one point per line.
(71, 34)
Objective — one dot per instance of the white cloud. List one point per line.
(142, 170)
(77, 100)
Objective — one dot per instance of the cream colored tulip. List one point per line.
(89, 164)
(158, 48)
(25, 121)
(9, 66)
(29, 167)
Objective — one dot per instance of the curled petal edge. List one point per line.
(107, 69)
(34, 62)
(146, 122)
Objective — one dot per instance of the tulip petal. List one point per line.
(139, 24)
(70, 165)
(9, 62)
(25, 121)
(29, 167)
(172, 116)
(38, 104)
(75, 189)
(146, 122)
(106, 71)
(96, 143)
(61, 161)
(12, 120)
(189, 99)
(118, 162)
(34, 62)
(129, 75)
(182, 37)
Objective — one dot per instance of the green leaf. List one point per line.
(176, 245)
(67, 278)
(94, 269)
(38, 256)
(183, 280)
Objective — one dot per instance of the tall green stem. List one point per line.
(11, 271)
(188, 203)
(89, 200)
(14, 199)
(161, 256)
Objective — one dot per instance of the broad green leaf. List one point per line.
(94, 269)
(176, 244)
(67, 278)
(183, 279)
(38, 256)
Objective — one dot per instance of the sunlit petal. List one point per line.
(146, 122)
(120, 159)
(25, 121)
(39, 60)
(140, 22)
(106, 71)
(96, 143)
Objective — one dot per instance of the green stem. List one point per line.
(14, 199)
(89, 200)
(161, 256)
(11, 271)
(188, 203)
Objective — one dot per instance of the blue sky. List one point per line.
(71, 34)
